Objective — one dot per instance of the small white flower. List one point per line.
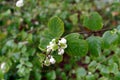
(52, 60)
(49, 56)
(53, 40)
(36, 23)
(3, 65)
(48, 46)
(19, 3)
(51, 43)
(64, 46)
(63, 41)
(89, 73)
(48, 50)
(60, 51)
(52, 47)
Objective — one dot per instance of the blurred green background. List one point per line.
(20, 30)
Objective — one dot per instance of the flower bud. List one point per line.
(47, 62)
(48, 48)
(89, 73)
(63, 41)
(54, 47)
(3, 65)
(52, 60)
(53, 40)
(64, 46)
(60, 51)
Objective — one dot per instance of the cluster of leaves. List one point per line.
(95, 45)
(93, 54)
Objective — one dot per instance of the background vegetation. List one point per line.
(20, 34)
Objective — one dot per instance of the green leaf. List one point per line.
(57, 57)
(74, 36)
(55, 30)
(56, 26)
(105, 71)
(109, 38)
(113, 68)
(63, 76)
(90, 77)
(28, 64)
(92, 66)
(5, 14)
(87, 59)
(118, 28)
(118, 32)
(76, 46)
(117, 76)
(51, 75)
(80, 72)
(95, 45)
(1, 74)
(103, 78)
(46, 37)
(37, 75)
(93, 22)
(99, 66)
(41, 57)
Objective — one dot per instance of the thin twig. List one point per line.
(96, 31)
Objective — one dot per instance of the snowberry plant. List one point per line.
(54, 45)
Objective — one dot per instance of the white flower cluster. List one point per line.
(19, 3)
(61, 45)
(54, 45)
(49, 60)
